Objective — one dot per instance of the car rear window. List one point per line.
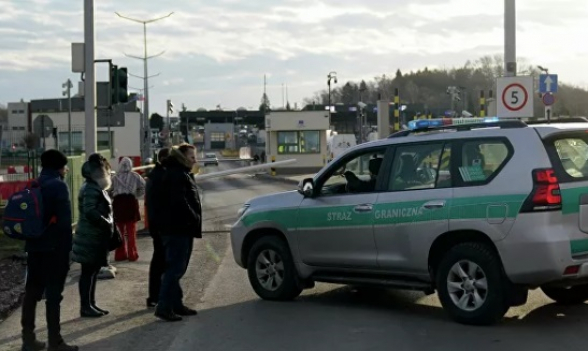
(572, 153)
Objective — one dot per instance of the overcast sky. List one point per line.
(217, 51)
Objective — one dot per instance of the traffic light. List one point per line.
(118, 85)
(170, 107)
(123, 80)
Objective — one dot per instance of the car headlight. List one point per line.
(242, 210)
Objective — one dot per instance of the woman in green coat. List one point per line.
(94, 230)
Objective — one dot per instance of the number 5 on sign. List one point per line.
(515, 97)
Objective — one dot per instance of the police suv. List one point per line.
(478, 209)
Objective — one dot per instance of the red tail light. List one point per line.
(546, 194)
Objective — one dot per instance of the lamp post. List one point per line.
(67, 92)
(331, 76)
(146, 152)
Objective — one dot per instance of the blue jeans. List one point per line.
(178, 250)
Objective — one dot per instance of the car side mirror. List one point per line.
(306, 187)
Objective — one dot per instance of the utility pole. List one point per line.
(89, 79)
(331, 75)
(146, 149)
(67, 92)
(510, 38)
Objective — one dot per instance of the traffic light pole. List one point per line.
(89, 79)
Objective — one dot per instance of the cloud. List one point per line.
(218, 52)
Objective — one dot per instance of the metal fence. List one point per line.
(74, 179)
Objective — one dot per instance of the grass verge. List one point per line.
(9, 247)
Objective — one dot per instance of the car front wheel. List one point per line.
(271, 270)
(470, 285)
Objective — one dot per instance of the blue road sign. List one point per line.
(548, 83)
(548, 99)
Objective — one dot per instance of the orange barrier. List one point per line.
(9, 188)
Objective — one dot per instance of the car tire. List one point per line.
(484, 301)
(574, 295)
(277, 278)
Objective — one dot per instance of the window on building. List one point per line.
(216, 136)
(76, 141)
(299, 142)
(102, 141)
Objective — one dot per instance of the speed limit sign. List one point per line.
(515, 97)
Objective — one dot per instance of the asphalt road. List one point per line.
(328, 317)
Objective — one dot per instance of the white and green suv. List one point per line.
(479, 212)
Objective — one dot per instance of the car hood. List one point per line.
(279, 200)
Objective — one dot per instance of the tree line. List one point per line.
(429, 87)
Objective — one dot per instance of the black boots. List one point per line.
(168, 316)
(63, 347)
(90, 312)
(185, 311)
(30, 343)
(151, 303)
(175, 315)
(104, 312)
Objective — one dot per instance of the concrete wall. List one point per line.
(225, 128)
(126, 140)
(297, 122)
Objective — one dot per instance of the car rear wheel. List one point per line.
(470, 285)
(573, 295)
(271, 270)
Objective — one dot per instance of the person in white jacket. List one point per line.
(127, 188)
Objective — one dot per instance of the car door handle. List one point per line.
(434, 204)
(363, 208)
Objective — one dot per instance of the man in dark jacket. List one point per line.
(182, 219)
(154, 201)
(48, 256)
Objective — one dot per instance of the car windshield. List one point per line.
(210, 155)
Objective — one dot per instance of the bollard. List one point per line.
(396, 110)
(273, 169)
(482, 104)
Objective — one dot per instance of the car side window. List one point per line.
(481, 160)
(421, 166)
(357, 174)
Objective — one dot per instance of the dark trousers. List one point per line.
(46, 273)
(87, 284)
(156, 267)
(178, 250)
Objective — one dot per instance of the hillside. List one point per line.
(429, 87)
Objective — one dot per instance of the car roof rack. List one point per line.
(461, 127)
(559, 120)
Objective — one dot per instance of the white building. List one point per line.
(51, 116)
(18, 116)
(300, 135)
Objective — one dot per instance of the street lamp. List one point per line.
(146, 152)
(333, 76)
(67, 92)
(541, 68)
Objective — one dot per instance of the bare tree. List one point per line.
(31, 141)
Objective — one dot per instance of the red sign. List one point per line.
(512, 99)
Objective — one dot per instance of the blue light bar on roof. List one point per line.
(442, 122)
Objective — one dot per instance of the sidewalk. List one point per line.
(130, 324)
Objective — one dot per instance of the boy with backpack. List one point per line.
(44, 221)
